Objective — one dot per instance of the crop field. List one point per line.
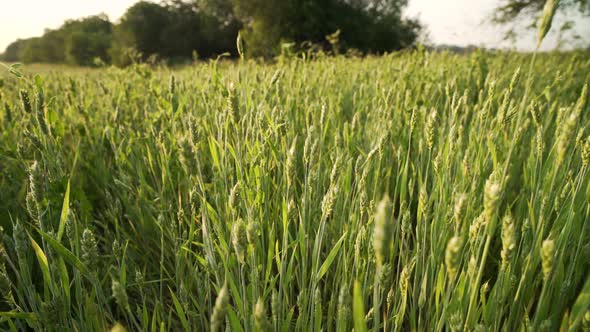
(417, 191)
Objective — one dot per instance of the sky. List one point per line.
(456, 22)
(464, 22)
(30, 18)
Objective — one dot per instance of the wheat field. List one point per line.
(417, 191)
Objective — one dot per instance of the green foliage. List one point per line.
(76, 42)
(242, 196)
(87, 40)
(177, 31)
(171, 31)
(368, 26)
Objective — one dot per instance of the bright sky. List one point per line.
(29, 18)
(464, 22)
(458, 22)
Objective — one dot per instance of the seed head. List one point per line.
(21, 242)
(480, 328)
(456, 322)
(404, 279)
(540, 142)
(363, 199)
(252, 232)
(580, 138)
(323, 115)
(70, 225)
(290, 164)
(5, 283)
(559, 199)
(459, 209)
(508, 240)
(466, 167)
(483, 290)
(8, 113)
(474, 229)
(233, 195)
(423, 200)
(452, 256)
(514, 79)
(382, 234)
(547, 257)
(239, 239)
(310, 145)
(586, 152)
(492, 193)
(328, 201)
(343, 307)
(120, 295)
(89, 249)
(358, 165)
(5, 287)
(413, 120)
(220, 309)
(260, 318)
(232, 108)
(534, 109)
(139, 279)
(406, 223)
(40, 113)
(172, 86)
(429, 127)
(36, 181)
(472, 266)
(546, 19)
(565, 134)
(582, 101)
(26, 101)
(436, 162)
(358, 243)
(32, 207)
(383, 274)
(390, 297)
(335, 169)
(586, 321)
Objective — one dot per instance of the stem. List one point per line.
(477, 281)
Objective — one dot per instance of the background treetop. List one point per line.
(176, 30)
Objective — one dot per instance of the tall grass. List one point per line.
(410, 192)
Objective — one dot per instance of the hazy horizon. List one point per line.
(452, 22)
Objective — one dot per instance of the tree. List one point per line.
(33, 51)
(202, 31)
(177, 29)
(367, 25)
(173, 30)
(76, 42)
(14, 50)
(141, 29)
(87, 40)
(509, 11)
(52, 44)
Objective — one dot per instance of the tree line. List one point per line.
(176, 30)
